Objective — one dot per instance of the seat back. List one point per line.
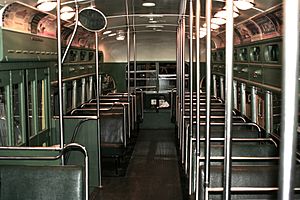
(41, 182)
(112, 127)
(246, 176)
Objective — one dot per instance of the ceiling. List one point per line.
(165, 13)
(155, 26)
(164, 16)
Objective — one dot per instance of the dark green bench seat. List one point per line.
(246, 176)
(19, 182)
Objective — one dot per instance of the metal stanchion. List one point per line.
(235, 95)
(228, 99)
(59, 65)
(98, 93)
(128, 52)
(183, 86)
(215, 92)
(208, 96)
(198, 13)
(191, 89)
(243, 99)
(290, 100)
(222, 93)
(269, 112)
(254, 104)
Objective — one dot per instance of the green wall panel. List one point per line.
(29, 153)
(86, 136)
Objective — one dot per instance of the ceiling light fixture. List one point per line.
(148, 4)
(222, 13)
(120, 35)
(151, 15)
(154, 26)
(106, 32)
(157, 30)
(244, 4)
(212, 25)
(202, 32)
(218, 21)
(152, 22)
(46, 5)
(67, 13)
(112, 34)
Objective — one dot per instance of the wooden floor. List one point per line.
(152, 174)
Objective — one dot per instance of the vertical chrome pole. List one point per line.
(74, 94)
(222, 93)
(180, 85)
(134, 58)
(90, 87)
(290, 100)
(98, 93)
(128, 63)
(183, 83)
(214, 77)
(208, 96)
(178, 78)
(64, 97)
(269, 112)
(191, 91)
(134, 67)
(128, 51)
(254, 104)
(228, 99)
(198, 13)
(83, 90)
(243, 99)
(59, 65)
(235, 95)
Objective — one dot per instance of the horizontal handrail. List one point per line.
(239, 140)
(204, 104)
(253, 83)
(113, 104)
(76, 117)
(248, 189)
(214, 117)
(105, 104)
(233, 124)
(242, 158)
(73, 78)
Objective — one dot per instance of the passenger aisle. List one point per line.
(152, 173)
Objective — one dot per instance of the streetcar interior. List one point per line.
(149, 99)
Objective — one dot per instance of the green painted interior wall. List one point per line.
(86, 136)
(42, 153)
(157, 120)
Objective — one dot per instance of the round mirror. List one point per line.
(92, 19)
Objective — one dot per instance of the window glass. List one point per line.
(243, 54)
(30, 109)
(17, 125)
(41, 105)
(3, 119)
(272, 53)
(255, 54)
